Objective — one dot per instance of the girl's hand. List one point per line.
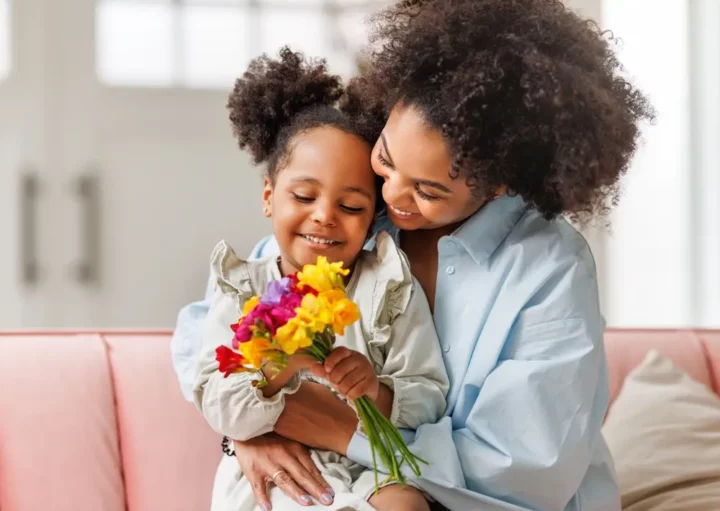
(279, 377)
(350, 373)
(300, 361)
(285, 463)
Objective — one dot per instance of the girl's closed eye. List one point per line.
(302, 198)
(352, 210)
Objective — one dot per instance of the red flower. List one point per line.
(230, 361)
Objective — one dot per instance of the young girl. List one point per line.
(320, 192)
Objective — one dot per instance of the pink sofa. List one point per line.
(96, 422)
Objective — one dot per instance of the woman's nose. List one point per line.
(393, 192)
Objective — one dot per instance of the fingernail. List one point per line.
(265, 506)
(326, 498)
(331, 492)
(306, 500)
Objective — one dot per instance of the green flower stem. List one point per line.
(386, 442)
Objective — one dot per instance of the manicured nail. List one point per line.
(265, 506)
(331, 491)
(306, 500)
(326, 498)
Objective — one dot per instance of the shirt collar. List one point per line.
(486, 229)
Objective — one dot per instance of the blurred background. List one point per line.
(119, 173)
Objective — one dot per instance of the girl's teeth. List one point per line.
(319, 240)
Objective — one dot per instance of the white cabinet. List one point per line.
(112, 197)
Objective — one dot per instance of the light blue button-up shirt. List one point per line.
(517, 314)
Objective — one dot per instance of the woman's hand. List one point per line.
(272, 458)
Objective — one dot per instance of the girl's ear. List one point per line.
(267, 197)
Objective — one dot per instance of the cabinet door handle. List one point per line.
(87, 191)
(29, 190)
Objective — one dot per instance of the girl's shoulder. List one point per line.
(385, 278)
(234, 275)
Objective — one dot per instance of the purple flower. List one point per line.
(276, 290)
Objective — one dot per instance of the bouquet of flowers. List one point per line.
(302, 313)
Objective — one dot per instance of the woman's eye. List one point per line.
(302, 198)
(425, 196)
(383, 161)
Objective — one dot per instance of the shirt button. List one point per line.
(445, 347)
(450, 270)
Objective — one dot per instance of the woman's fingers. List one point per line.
(308, 477)
(287, 484)
(259, 489)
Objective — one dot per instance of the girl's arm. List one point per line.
(187, 337)
(414, 369)
(232, 405)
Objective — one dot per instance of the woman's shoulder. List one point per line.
(549, 244)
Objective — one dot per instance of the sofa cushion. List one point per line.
(58, 441)
(664, 433)
(169, 453)
(625, 349)
(711, 342)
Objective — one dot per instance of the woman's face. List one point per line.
(415, 162)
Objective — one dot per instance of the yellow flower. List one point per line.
(250, 305)
(315, 312)
(254, 349)
(292, 336)
(323, 276)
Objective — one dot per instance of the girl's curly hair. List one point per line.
(277, 99)
(527, 94)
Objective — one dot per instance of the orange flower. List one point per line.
(254, 350)
(345, 313)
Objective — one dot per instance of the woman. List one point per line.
(500, 116)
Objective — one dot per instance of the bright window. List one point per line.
(207, 43)
(663, 251)
(5, 61)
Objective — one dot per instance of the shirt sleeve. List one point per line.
(414, 367)
(536, 417)
(232, 405)
(186, 339)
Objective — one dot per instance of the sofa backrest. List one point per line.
(96, 421)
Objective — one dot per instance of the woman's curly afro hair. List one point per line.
(527, 94)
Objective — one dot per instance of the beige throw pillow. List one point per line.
(664, 433)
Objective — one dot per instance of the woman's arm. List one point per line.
(316, 417)
(533, 423)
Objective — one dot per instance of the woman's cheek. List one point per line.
(437, 212)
